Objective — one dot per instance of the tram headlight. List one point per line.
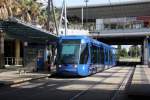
(59, 66)
(75, 66)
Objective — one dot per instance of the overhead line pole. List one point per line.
(82, 16)
(49, 17)
(61, 17)
(53, 10)
(65, 6)
(86, 1)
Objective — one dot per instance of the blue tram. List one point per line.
(83, 56)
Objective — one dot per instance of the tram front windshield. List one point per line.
(69, 52)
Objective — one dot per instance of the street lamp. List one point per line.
(86, 2)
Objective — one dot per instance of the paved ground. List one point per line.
(12, 76)
(107, 85)
(140, 84)
(129, 59)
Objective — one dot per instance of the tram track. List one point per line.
(19, 85)
(83, 92)
(47, 82)
(115, 93)
(54, 85)
(71, 82)
(124, 84)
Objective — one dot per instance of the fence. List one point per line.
(13, 61)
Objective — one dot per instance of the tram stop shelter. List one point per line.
(22, 43)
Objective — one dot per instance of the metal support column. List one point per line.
(146, 51)
(82, 15)
(142, 54)
(17, 52)
(66, 22)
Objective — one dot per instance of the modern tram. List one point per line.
(83, 56)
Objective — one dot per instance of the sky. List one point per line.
(70, 3)
(90, 2)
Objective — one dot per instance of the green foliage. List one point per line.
(27, 10)
(118, 51)
(134, 51)
(122, 52)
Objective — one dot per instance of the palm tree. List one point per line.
(16, 9)
(26, 10)
(25, 6)
(8, 8)
(42, 18)
(35, 11)
(3, 10)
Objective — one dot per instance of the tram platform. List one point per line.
(140, 83)
(12, 76)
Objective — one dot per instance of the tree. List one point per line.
(26, 10)
(118, 51)
(6, 7)
(123, 53)
(134, 51)
(35, 11)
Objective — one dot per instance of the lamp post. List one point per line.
(86, 2)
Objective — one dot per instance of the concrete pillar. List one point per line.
(25, 54)
(17, 51)
(1, 49)
(142, 54)
(146, 51)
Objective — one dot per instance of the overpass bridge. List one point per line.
(122, 36)
(126, 37)
(128, 9)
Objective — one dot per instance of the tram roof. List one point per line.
(87, 39)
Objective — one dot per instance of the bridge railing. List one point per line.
(126, 27)
(120, 31)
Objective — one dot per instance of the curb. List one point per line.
(22, 81)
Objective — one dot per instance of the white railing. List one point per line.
(13, 61)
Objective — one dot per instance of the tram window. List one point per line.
(98, 55)
(91, 53)
(69, 54)
(102, 55)
(94, 54)
(106, 54)
(84, 54)
(110, 54)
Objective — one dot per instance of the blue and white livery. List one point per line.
(83, 56)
